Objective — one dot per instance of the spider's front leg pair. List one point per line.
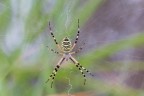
(80, 48)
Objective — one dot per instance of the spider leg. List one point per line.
(77, 65)
(81, 66)
(54, 50)
(77, 36)
(52, 76)
(78, 50)
(54, 37)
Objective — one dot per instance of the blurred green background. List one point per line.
(111, 29)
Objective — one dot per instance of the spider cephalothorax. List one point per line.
(66, 50)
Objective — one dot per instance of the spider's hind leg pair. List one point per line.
(66, 50)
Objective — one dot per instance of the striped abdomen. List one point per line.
(66, 44)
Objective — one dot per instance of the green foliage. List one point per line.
(5, 14)
(23, 73)
(110, 49)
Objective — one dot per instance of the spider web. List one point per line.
(70, 85)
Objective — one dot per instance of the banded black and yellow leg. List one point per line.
(54, 37)
(82, 66)
(53, 73)
(82, 74)
(85, 70)
(78, 50)
(75, 62)
(77, 36)
(52, 76)
(54, 50)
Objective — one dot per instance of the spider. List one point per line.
(66, 50)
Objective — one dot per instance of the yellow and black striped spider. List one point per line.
(66, 50)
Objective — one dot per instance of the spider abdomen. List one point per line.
(66, 45)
